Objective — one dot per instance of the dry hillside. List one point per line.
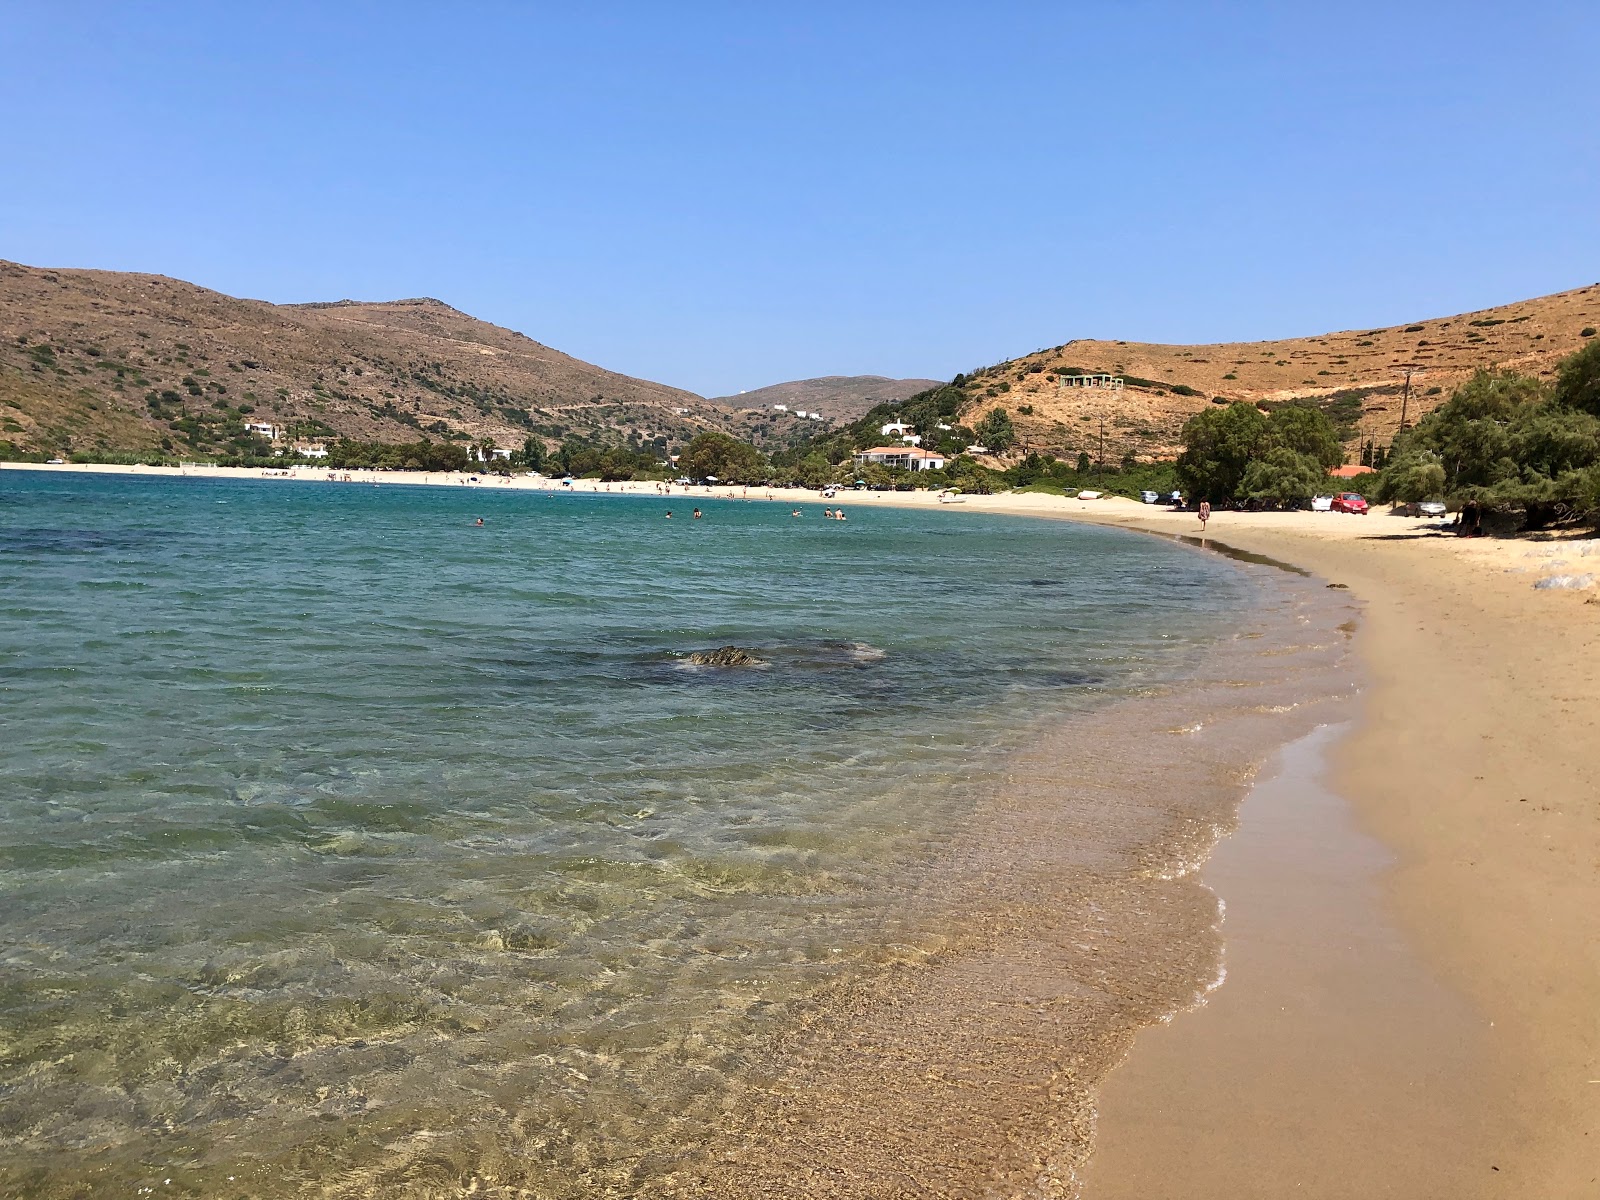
(840, 399)
(101, 360)
(1359, 374)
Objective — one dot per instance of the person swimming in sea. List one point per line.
(697, 514)
(669, 514)
(479, 521)
(795, 513)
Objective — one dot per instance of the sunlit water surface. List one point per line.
(335, 826)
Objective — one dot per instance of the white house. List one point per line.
(815, 416)
(270, 432)
(896, 428)
(780, 408)
(907, 457)
(311, 451)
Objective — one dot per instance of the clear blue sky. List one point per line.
(721, 196)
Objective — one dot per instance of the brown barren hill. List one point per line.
(840, 399)
(1360, 376)
(103, 361)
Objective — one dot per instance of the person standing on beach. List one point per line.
(1205, 514)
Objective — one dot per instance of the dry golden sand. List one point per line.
(1473, 762)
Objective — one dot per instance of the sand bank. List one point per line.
(1474, 763)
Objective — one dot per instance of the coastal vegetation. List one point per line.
(1276, 459)
(1506, 441)
(1510, 443)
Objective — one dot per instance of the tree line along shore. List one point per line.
(1505, 442)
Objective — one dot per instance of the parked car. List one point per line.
(1321, 503)
(1350, 502)
(1431, 508)
(1149, 497)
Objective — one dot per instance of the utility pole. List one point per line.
(1100, 466)
(1405, 396)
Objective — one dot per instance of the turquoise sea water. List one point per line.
(340, 833)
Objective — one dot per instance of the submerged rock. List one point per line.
(725, 656)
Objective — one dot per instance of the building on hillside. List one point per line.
(896, 429)
(1351, 472)
(814, 416)
(270, 432)
(311, 451)
(1114, 382)
(908, 458)
(780, 408)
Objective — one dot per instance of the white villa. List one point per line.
(270, 432)
(906, 457)
(896, 429)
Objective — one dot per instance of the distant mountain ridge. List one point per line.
(97, 361)
(840, 398)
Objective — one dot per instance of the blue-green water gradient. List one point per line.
(330, 818)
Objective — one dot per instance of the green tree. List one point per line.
(1578, 380)
(1304, 430)
(996, 431)
(532, 454)
(1503, 441)
(1283, 478)
(1218, 445)
(1417, 475)
(716, 455)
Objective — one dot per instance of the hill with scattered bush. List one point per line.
(1358, 377)
(99, 362)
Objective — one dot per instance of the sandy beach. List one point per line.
(1472, 762)
(1430, 1029)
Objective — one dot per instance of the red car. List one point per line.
(1350, 502)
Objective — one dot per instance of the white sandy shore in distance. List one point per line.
(1473, 763)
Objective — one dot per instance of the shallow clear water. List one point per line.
(334, 825)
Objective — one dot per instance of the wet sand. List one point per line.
(1474, 764)
(1067, 917)
(1329, 1038)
